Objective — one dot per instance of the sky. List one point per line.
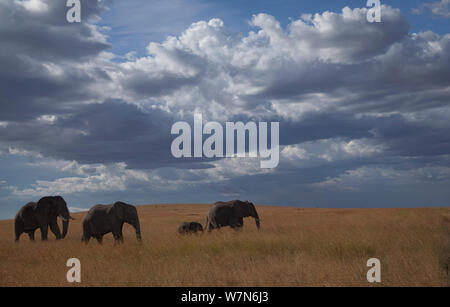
(86, 109)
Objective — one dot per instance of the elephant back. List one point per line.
(27, 211)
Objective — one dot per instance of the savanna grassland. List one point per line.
(295, 247)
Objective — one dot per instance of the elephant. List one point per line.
(41, 215)
(103, 219)
(190, 227)
(231, 214)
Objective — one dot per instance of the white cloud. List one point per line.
(22, 152)
(33, 5)
(103, 178)
(439, 8)
(47, 119)
(76, 209)
(330, 150)
(330, 61)
(367, 176)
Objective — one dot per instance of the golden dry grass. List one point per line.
(295, 247)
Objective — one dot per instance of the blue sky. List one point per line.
(86, 109)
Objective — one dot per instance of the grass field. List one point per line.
(295, 247)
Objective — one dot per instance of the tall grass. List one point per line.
(295, 247)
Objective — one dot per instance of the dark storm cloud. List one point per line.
(45, 34)
(325, 126)
(401, 136)
(415, 140)
(39, 50)
(99, 133)
(142, 84)
(29, 96)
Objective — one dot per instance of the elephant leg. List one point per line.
(85, 238)
(239, 223)
(55, 229)
(99, 239)
(233, 222)
(44, 231)
(117, 233)
(118, 239)
(214, 226)
(18, 236)
(18, 227)
(31, 235)
(237, 227)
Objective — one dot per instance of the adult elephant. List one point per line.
(103, 219)
(231, 214)
(41, 215)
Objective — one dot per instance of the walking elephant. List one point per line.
(103, 219)
(231, 214)
(41, 215)
(190, 227)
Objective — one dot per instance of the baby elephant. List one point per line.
(189, 227)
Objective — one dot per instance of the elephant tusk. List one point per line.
(64, 219)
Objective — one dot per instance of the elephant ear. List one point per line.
(241, 208)
(56, 203)
(119, 210)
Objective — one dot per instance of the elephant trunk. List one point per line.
(137, 227)
(256, 216)
(65, 216)
(65, 228)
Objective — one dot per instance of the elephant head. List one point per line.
(57, 207)
(128, 214)
(246, 209)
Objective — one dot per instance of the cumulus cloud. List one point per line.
(330, 150)
(327, 61)
(114, 177)
(439, 8)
